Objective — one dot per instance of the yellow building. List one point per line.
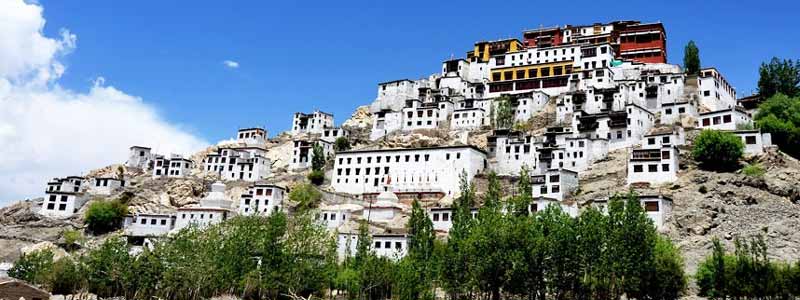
(486, 49)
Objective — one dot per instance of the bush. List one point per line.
(780, 116)
(342, 144)
(73, 239)
(34, 267)
(702, 189)
(753, 170)
(307, 196)
(316, 177)
(105, 216)
(717, 150)
(67, 277)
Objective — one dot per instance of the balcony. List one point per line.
(646, 154)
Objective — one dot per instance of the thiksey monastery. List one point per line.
(611, 88)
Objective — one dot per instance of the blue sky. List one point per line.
(297, 56)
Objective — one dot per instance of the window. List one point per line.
(651, 141)
(543, 189)
(387, 244)
(665, 140)
(665, 167)
(446, 217)
(652, 168)
(706, 122)
(637, 168)
(664, 154)
(62, 206)
(377, 245)
(435, 217)
(556, 188)
(651, 206)
(668, 111)
(398, 245)
(750, 140)
(726, 118)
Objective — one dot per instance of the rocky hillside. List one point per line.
(706, 204)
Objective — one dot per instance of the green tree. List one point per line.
(317, 158)
(105, 216)
(34, 267)
(306, 196)
(487, 243)
(779, 76)
(316, 177)
(668, 280)
(67, 277)
(108, 269)
(691, 58)
(342, 144)
(717, 150)
(503, 113)
(780, 116)
(455, 258)
(415, 271)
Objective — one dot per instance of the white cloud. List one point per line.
(48, 131)
(231, 64)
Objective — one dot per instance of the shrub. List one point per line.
(702, 189)
(717, 150)
(342, 144)
(754, 170)
(780, 116)
(72, 239)
(105, 216)
(67, 277)
(34, 267)
(317, 158)
(316, 177)
(307, 196)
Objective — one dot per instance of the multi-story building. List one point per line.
(715, 91)
(303, 152)
(214, 208)
(407, 170)
(509, 151)
(724, 119)
(239, 163)
(63, 197)
(173, 167)
(554, 183)
(622, 128)
(139, 157)
(425, 115)
(262, 199)
(485, 50)
(582, 152)
(331, 134)
(314, 122)
(252, 136)
(105, 185)
(654, 165)
(643, 42)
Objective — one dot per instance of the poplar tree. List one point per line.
(691, 58)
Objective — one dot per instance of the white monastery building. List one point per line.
(314, 122)
(421, 169)
(63, 197)
(262, 199)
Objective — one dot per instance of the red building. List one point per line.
(545, 37)
(645, 43)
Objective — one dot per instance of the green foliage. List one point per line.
(317, 158)
(668, 279)
(73, 239)
(691, 58)
(717, 150)
(105, 216)
(316, 177)
(779, 77)
(780, 116)
(747, 273)
(34, 267)
(306, 195)
(67, 277)
(503, 113)
(754, 170)
(108, 271)
(341, 144)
